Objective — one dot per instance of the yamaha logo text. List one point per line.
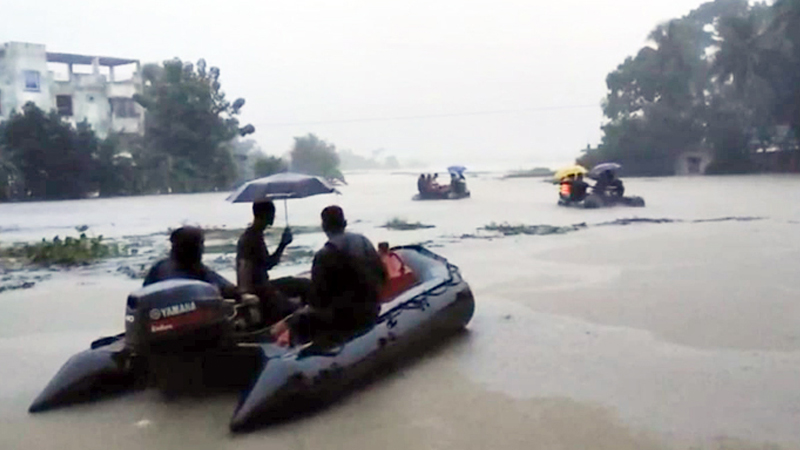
(163, 313)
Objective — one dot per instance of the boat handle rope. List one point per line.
(420, 301)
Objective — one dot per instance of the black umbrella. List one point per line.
(281, 186)
(600, 168)
(457, 169)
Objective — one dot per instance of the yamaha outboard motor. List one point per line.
(175, 315)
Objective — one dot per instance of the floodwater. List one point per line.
(672, 335)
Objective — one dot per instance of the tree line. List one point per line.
(725, 79)
(191, 143)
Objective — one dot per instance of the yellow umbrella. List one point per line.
(567, 171)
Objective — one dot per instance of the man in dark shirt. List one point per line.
(185, 261)
(346, 278)
(579, 188)
(609, 185)
(253, 262)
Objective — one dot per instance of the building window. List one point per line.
(64, 105)
(123, 107)
(32, 81)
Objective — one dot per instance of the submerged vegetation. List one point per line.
(512, 230)
(64, 252)
(222, 234)
(397, 223)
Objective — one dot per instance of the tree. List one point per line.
(655, 102)
(712, 79)
(783, 34)
(350, 160)
(9, 175)
(392, 162)
(265, 166)
(116, 172)
(245, 152)
(46, 158)
(314, 156)
(189, 125)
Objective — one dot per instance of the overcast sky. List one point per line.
(517, 82)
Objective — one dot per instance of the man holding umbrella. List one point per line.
(607, 182)
(253, 262)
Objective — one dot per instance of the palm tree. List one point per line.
(742, 63)
(740, 51)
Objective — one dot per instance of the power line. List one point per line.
(426, 116)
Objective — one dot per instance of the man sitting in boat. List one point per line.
(422, 184)
(347, 276)
(579, 189)
(186, 261)
(461, 183)
(253, 262)
(457, 183)
(438, 188)
(609, 185)
(565, 189)
(573, 189)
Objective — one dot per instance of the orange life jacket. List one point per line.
(566, 189)
(393, 264)
(399, 276)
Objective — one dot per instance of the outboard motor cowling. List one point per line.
(176, 314)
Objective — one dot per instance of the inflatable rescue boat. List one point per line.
(448, 195)
(593, 201)
(180, 333)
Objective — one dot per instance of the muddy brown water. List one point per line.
(673, 335)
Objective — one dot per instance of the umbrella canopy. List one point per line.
(600, 168)
(457, 169)
(567, 171)
(281, 186)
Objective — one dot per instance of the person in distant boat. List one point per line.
(616, 188)
(438, 188)
(253, 262)
(565, 189)
(578, 189)
(347, 276)
(573, 189)
(454, 182)
(461, 183)
(609, 185)
(186, 261)
(422, 184)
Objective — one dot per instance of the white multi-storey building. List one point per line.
(99, 90)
